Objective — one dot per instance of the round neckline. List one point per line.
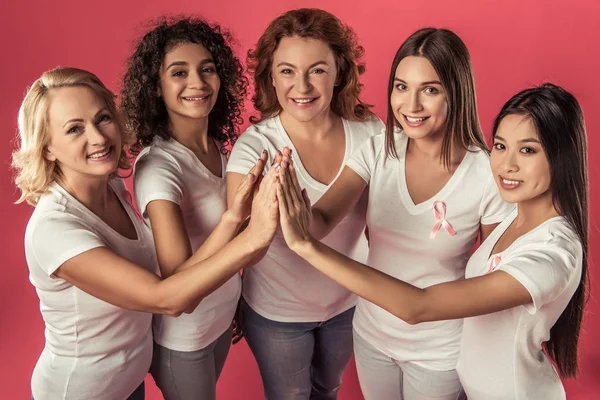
(443, 193)
(124, 203)
(298, 162)
(197, 161)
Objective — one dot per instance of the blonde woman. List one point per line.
(91, 257)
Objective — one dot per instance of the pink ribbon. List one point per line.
(495, 261)
(439, 212)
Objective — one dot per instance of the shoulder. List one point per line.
(157, 155)
(372, 126)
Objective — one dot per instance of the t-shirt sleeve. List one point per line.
(157, 176)
(246, 152)
(58, 237)
(544, 270)
(493, 209)
(364, 158)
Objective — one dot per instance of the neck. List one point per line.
(92, 192)
(535, 211)
(191, 132)
(430, 147)
(315, 129)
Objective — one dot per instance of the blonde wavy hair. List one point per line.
(34, 172)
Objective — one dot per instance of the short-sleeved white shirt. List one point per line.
(282, 286)
(501, 356)
(94, 350)
(167, 170)
(401, 246)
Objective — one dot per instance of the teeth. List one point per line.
(99, 155)
(303, 101)
(195, 98)
(507, 182)
(414, 120)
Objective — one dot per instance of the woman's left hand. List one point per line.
(294, 208)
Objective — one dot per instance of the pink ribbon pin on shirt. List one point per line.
(439, 212)
(495, 261)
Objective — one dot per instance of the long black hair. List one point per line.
(558, 121)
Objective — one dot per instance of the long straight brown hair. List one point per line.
(451, 61)
(559, 124)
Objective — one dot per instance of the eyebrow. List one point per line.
(185, 63)
(528, 140)
(81, 119)
(293, 66)
(422, 83)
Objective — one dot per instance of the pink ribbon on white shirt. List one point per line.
(495, 261)
(439, 212)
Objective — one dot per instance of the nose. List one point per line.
(303, 84)
(509, 162)
(414, 102)
(196, 81)
(95, 136)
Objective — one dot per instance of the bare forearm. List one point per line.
(319, 226)
(399, 298)
(224, 232)
(184, 290)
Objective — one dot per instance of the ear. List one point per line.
(158, 91)
(48, 155)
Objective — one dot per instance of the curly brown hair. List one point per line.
(315, 24)
(146, 113)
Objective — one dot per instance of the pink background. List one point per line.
(513, 44)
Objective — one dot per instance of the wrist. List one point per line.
(304, 247)
(231, 218)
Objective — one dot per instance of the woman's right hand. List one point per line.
(265, 214)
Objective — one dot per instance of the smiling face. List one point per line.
(85, 140)
(189, 83)
(518, 160)
(304, 75)
(418, 99)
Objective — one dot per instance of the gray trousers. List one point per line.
(190, 375)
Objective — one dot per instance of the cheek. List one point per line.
(439, 108)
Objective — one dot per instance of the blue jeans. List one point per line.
(138, 394)
(299, 360)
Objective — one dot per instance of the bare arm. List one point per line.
(485, 230)
(170, 235)
(116, 280)
(460, 299)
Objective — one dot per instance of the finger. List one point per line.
(287, 151)
(290, 190)
(278, 158)
(294, 178)
(283, 207)
(306, 199)
(260, 164)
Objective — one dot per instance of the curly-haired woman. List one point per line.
(90, 258)
(182, 96)
(298, 322)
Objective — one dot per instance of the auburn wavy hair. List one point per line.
(145, 112)
(314, 24)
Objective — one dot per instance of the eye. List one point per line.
(431, 90)
(527, 150)
(401, 86)
(286, 71)
(318, 71)
(499, 146)
(104, 118)
(209, 70)
(180, 74)
(75, 129)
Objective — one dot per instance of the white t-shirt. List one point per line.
(401, 245)
(94, 350)
(501, 356)
(282, 286)
(167, 170)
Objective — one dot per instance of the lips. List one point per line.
(306, 100)
(196, 98)
(414, 121)
(100, 154)
(509, 183)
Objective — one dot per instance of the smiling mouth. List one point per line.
(196, 98)
(414, 120)
(305, 101)
(100, 154)
(509, 183)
